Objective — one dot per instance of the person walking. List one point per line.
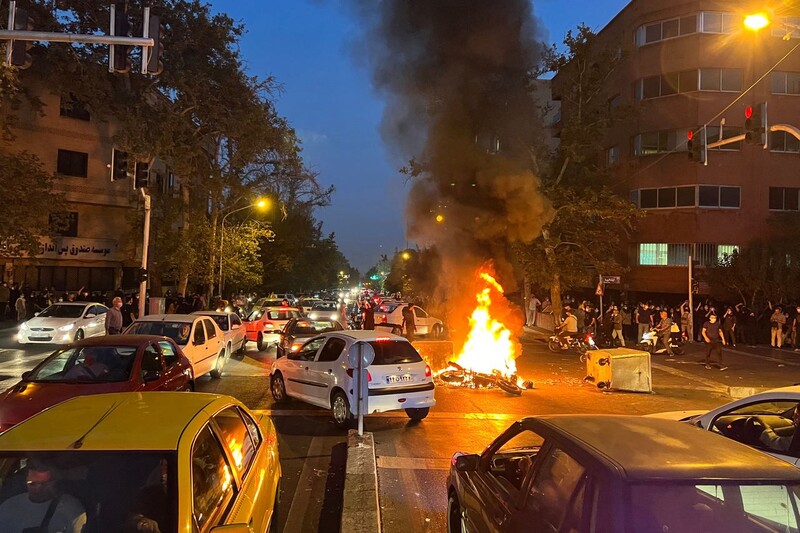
(21, 307)
(643, 320)
(128, 312)
(776, 323)
(796, 330)
(712, 335)
(616, 324)
(533, 307)
(729, 327)
(368, 312)
(408, 324)
(687, 329)
(114, 317)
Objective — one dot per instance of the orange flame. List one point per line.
(489, 346)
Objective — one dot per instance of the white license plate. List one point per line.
(398, 379)
(40, 338)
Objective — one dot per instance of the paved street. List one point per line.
(413, 457)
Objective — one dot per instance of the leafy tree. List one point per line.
(591, 221)
(241, 259)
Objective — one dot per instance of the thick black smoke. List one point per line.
(455, 74)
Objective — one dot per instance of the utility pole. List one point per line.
(145, 246)
(691, 303)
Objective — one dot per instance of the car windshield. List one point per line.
(312, 327)
(255, 315)
(177, 331)
(222, 321)
(63, 311)
(394, 352)
(113, 491)
(324, 306)
(705, 506)
(279, 315)
(89, 364)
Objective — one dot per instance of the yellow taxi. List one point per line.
(154, 461)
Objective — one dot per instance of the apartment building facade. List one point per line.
(687, 64)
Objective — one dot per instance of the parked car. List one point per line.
(308, 303)
(264, 325)
(571, 473)
(318, 373)
(232, 329)
(63, 323)
(298, 330)
(199, 338)
(389, 317)
(326, 310)
(744, 421)
(116, 363)
(148, 461)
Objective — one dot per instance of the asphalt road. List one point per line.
(413, 458)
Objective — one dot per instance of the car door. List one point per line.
(175, 377)
(151, 369)
(201, 360)
(93, 324)
(213, 491)
(492, 494)
(325, 370)
(422, 321)
(214, 339)
(300, 378)
(238, 331)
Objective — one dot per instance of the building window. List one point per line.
(724, 250)
(688, 196)
(666, 29)
(612, 156)
(786, 28)
(786, 83)
(717, 196)
(73, 163)
(783, 199)
(712, 135)
(64, 224)
(721, 79)
(781, 141)
(719, 22)
(657, 142)
(652, 254)
(635, 197)
(666, 85)
(71, 107)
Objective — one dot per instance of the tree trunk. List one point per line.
(555, 286)
(213, 260)
(183, 278)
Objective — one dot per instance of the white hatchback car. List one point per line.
(63, 323)
(319, 374)
(232, 329)
(744, 420)
(389, 316)
(199, 337)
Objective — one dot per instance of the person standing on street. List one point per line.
(776, 323)
(712, 335)
(5, 294)
(643, 320)
(368, 311)
(796, 330)
(616, 323)
(729, 327)
(408, 324)
(114, 317)
(128, 312)
(686, 322)
(533, 306)
(21, 307)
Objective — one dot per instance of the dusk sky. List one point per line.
(328, 98)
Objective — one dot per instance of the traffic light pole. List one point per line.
(145, 246)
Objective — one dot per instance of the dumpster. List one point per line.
(621, 369)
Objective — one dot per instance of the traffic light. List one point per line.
(696, 146)
(142, 178)
(20, 56)
(156, 32)
(122, 28)
(755, 123)
(119, 165)
(142, 275)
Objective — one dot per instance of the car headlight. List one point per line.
(67, 327)
(313, 316)
(23, 326)
(334, 317)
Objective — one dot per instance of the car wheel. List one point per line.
(242, 347)
(217, 371)
(418, 413)
(260, 343)
(189, 387)
(341, 410)
(455, 524)
(436, 333)
(278, 388)
(79, 335)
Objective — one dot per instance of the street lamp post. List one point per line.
(259, 203)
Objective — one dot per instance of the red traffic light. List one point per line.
(748, 112)
(690, 135)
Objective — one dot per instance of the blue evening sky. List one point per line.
(329, 100)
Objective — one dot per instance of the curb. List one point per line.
(360, 506)
(738, 393)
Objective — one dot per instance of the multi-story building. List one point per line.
(98, 250)
(687, 64)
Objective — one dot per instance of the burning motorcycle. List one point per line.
(650, 342)
(581, 343)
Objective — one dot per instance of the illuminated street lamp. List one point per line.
(406, 256)
(261, 204)
(756, 21)
(439, 218)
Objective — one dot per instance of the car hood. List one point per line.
(27, 398)
(49, 322)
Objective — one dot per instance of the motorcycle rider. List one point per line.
(568, 328)
(663, 329)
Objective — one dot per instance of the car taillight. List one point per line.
(384, 319)
(350, 373)
(269, 325)
(427, 371)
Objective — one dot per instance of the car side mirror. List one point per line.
(26, 375)
(151, 375)
(36, 313)
(467, 463)
(90, 315)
